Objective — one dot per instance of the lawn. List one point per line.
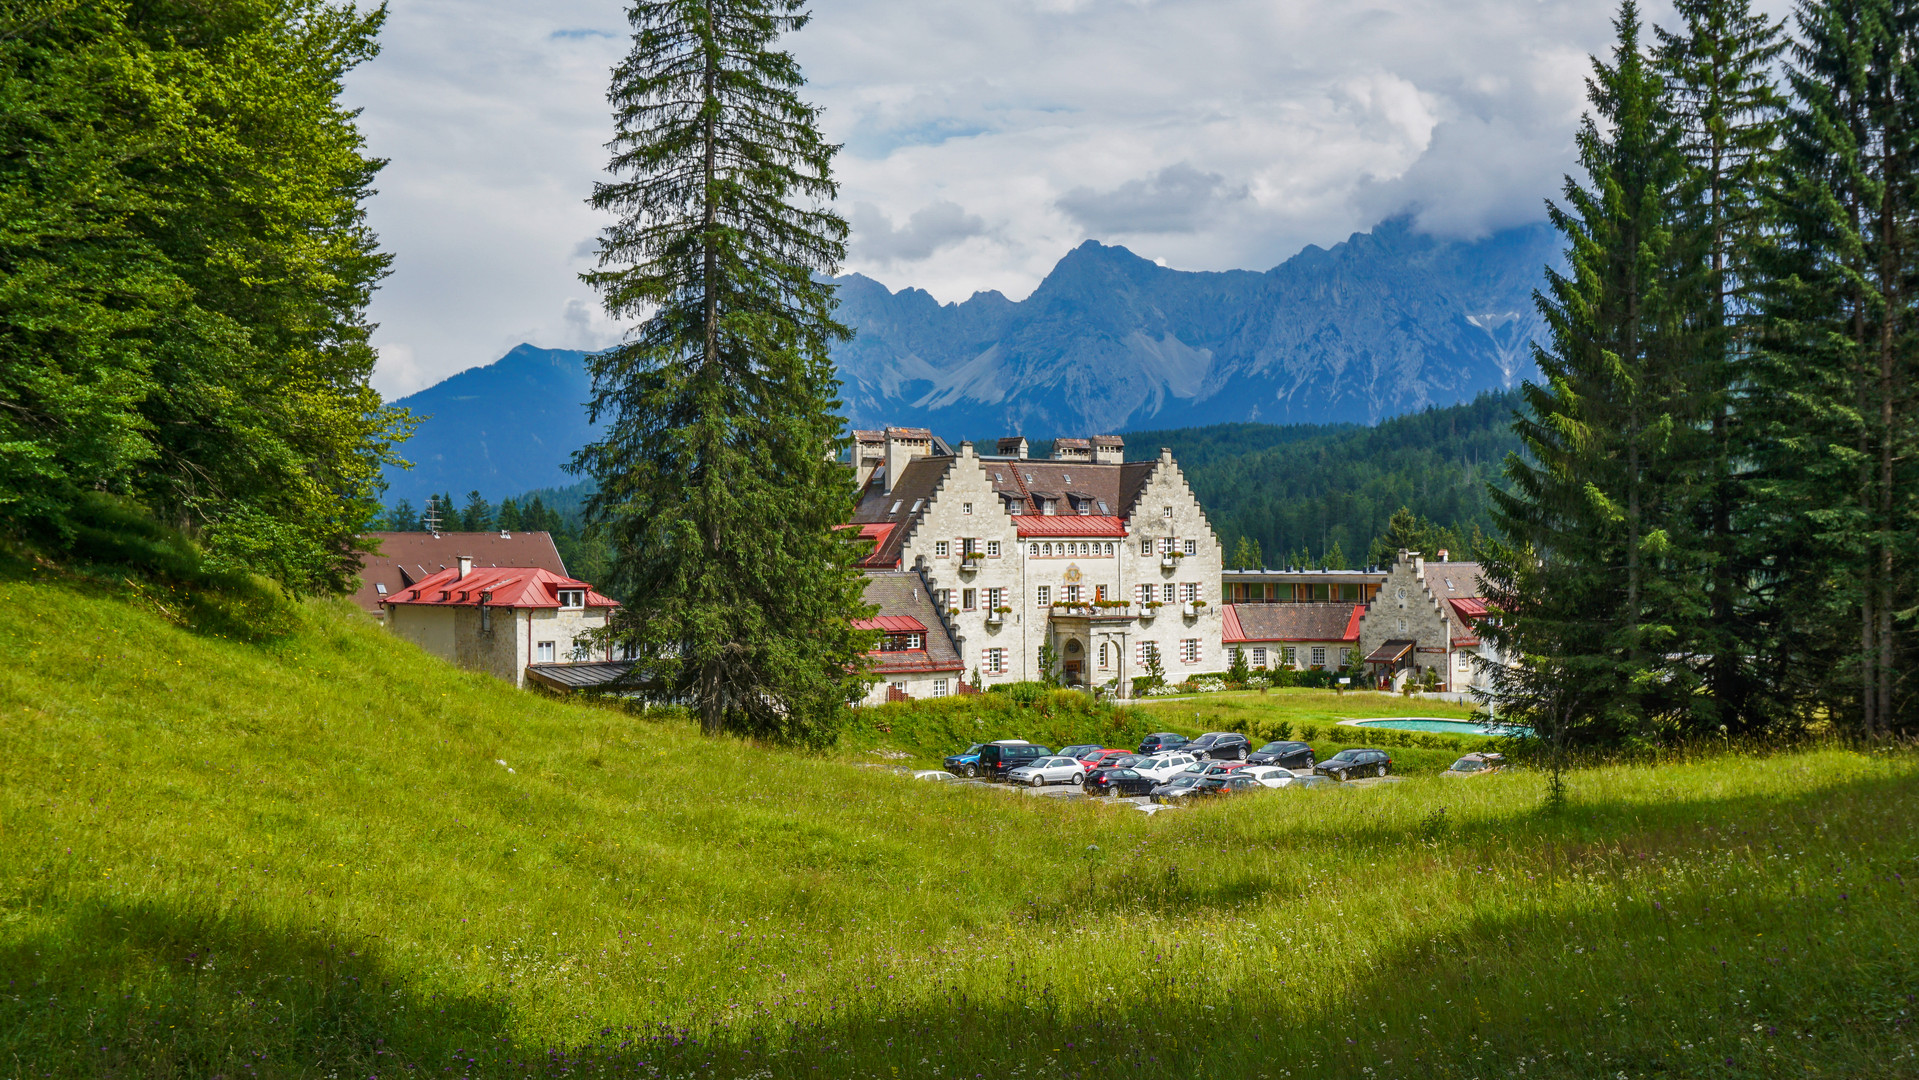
(330, 855)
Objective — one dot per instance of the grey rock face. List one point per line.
(1387, 322)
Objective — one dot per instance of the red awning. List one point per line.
(892, 624)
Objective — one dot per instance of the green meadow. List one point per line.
(324, 854)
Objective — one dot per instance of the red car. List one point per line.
(1100, 759)
(1224, 768)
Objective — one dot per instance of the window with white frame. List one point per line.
(941, 549)
(572, 598)
(1144, 652)
(966, 508)
(969, 545)
(900, 686)
(1189, 591)
(1192, 547)
(543, 652)
(992, 549)
(1465, 661)
(1072, 594)
(1166, 593)
(1043, 595)
(1259, 656)
(1289, 656)
(939, 687)
(1166, 512)
(1189, 651)
(1032, 550)
(1109, 549)
(945, 597)
(1046, 550)
(969, 599)
(994, 661)
(1146, 545)
(1143, 593)
(1319, 656)
(995, 599)
(1167, 545)
(1104, 652)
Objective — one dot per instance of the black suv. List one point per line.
(1286, 755)
(1352, 764)
(998, 759)
(1161, 741)
(1219, 746)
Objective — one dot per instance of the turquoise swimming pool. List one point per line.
(1446, 727)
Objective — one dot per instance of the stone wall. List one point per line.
(1406, 609)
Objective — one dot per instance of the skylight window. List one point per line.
(1102, 508)
(896, 508)
(917, 503)
(1066, 478)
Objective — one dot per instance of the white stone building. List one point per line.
(1106, 561)
(1425, 618)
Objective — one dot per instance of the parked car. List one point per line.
(1101, 759)
(1176, 789)
(1161, 741)
(996, 759)
(1352, 764)
(1049, 770)
(1231, 784)
(1270, 775)
(1219, 746)
(1476, 765)
(1286, 754)
(964, 763)
(1221, 768)
(1117, 782)
(1162, 767)
(1080, 751)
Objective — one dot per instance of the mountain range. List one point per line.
(1387, 322)
(1384, 323)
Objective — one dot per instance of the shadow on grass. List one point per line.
(1701, 985)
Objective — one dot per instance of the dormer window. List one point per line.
(902, 643)
(572, 598)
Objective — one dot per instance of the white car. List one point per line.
(1163, 767)
(1049, 770)
(1270, 775)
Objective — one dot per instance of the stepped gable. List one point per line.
(407, 558)
(906, 605)
(1292, 622)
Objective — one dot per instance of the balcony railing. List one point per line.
(1109, 609)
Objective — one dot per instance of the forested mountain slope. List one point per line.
(1315, 486)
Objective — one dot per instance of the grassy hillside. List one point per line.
(327, 855)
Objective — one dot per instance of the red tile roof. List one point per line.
(406, 558)
(510, 586)
(1470, 609)
(1069, 525)
(1291, 622)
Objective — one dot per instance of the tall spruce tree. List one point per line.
(1717, 68)
(1833, 407)
(1590, 575)
(717, 478)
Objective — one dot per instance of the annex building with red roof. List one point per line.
(1108, 562)
(513, 622)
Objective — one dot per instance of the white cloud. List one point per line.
(984, 139)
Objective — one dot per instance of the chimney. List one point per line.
(902, 446)
(1444, 555)
(466, 566)
(1108, 449)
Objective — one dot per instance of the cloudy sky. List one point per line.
(983, 139)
